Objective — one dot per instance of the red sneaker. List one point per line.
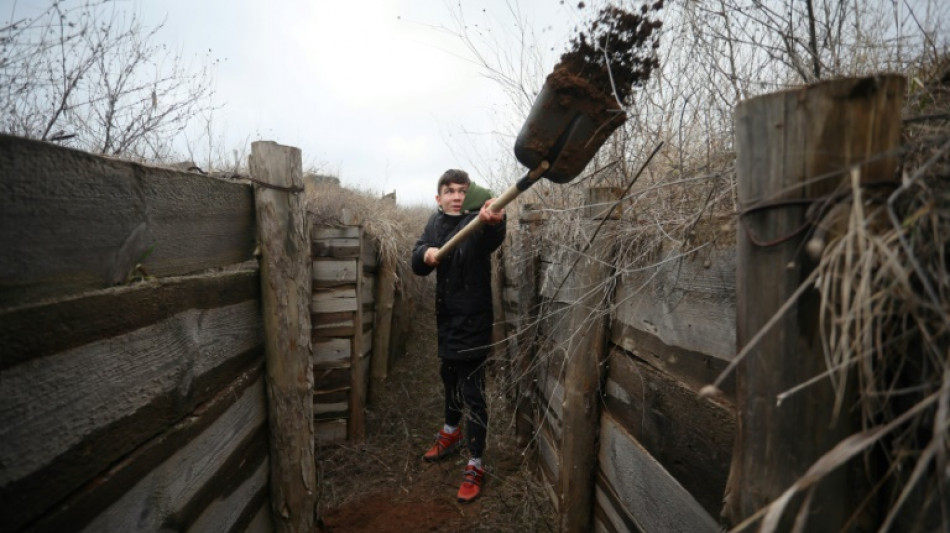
(446, 444)
(471, 487)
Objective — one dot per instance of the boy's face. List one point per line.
(450, 198)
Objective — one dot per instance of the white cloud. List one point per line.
(379, 91)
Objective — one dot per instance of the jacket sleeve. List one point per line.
(491, 237)
(419, 266)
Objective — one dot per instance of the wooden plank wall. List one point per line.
(664, 452)
(128, 405)
(343, 309)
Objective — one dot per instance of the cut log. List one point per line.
(285, 295)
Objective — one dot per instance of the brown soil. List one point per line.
(617, 52)
(382, 485)
(583, 95)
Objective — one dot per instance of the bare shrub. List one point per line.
(87, 74)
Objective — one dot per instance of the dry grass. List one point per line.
(393, 228)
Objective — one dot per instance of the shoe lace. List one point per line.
(445, 440)
(472, 476)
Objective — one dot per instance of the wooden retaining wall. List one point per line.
(667, 457)
(131, 348)
(670, 331)
(345, 263)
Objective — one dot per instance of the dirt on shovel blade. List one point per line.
(616, 55)
(581, 103)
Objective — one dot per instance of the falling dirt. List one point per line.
(617, 54)
(581, 103)
(383, 486)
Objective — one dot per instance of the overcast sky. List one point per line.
(382, 93)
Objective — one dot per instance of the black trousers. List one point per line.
(464, 383)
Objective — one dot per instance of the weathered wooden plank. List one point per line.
(551, 401)
(694, 368)
(554, 269)
(248, 455)
(691, 437)
(42, 329)
(382, 328)
(165, 490)
(350, 233)
(367, 344)
(523, 344)
(403, 308)
(342, 329)
(330, 431)
(334, 272)
(792, 146)
(111, 394)
(368, 290)
(609, 514)
(333, 396)
(511, 298)
(331, 378)
(332, 319)
(648, 493)
(585, 352)
(261, 522)
(333, 351)
(549, 467)
(242, 399)
(333, 300)
(369, 254)
(601, 203)
(234, 510)
(357, 424)
(336, 248)
(72, 222)
(686, 302)
(331, 411)
(285, 299)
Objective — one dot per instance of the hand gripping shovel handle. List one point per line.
(513, 192)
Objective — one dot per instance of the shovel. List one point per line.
(567, 124)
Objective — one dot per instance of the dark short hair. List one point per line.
(452, 175)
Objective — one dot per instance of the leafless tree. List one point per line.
(87, 73)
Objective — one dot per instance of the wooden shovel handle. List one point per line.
(506, 198)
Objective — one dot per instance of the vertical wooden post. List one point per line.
(787, 144)
(285, 296)
(530, 220)
(356, 429)
(382, 329)
(582, 380)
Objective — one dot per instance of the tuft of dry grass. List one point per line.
(393, 228)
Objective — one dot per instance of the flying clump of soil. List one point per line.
(592, 81)
(616, 55)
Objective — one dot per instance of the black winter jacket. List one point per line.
(463, 299)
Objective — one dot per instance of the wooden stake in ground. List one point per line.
(285, 296)
(382, 330)
(582, 382)
(792, 149)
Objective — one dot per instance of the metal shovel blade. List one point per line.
(567, 124)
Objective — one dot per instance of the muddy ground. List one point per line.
(382, 485)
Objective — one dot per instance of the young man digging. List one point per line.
(463, 307)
